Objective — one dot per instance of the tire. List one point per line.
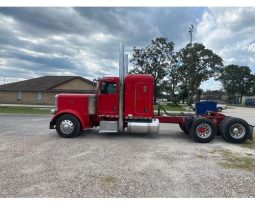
(202, 130)
(188, 124)
(235, 130)
(219, 109)
(183, 128)
(68, 126)
(222, 128)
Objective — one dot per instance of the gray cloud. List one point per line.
(44, 21)
(230, 32)
(84, 41)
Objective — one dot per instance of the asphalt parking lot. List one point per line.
(36, 162)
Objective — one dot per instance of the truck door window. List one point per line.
(108, 88)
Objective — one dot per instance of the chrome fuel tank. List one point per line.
(144, 127)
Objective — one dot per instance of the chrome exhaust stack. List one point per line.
(126, 65)
(121, 76)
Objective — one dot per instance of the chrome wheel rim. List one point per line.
(203, 130)
(237, 130)
(66, 126)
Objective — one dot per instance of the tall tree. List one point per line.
(199, 92)
(174, 76)
(153, 59)
(228, 80)
(165, 87)
(236, 79)
(246, 81)
(183, 92)
(252, 91)
(198, 64)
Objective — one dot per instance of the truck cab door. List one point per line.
(108, 99)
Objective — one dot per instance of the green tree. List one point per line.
(252, 91)
(198, 64)
(174, 76)
(246, 81)
(165, 87)
(236, 79)
(153, 59)
(199, 92)
(183, 92)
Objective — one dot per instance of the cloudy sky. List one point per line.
(84, 41)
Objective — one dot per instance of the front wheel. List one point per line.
(202, 130)
(68, 126)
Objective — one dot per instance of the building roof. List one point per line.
(40, 83)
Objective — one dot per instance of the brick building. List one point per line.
(42, 90)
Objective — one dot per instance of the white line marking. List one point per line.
(4, 133)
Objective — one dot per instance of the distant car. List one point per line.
(250, 102)
(161, 100)
(220, 106)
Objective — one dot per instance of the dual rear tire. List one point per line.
(203, 130)
(234, 130)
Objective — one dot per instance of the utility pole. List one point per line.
(191, 29)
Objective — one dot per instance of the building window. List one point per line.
(39, 96)
(19, 96)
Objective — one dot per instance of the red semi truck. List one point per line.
(126, 103)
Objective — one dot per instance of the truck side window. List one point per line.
(103, 88)
(108, 88)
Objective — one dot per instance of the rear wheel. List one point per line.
(68, 126)
(202, 130)
(183, 128)
(222, 128)
(188, 123)
(235, 130)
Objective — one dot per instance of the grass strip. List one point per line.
(24, 110)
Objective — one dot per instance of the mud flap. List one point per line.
(52, 125)
(251, 134)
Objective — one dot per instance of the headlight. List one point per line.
(53, 111)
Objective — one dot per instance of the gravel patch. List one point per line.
(36, 162)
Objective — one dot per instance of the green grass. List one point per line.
(249, 143)
(24, 110)
(171, 107)
(109, 183)
(239, 105)
(201, 156)
(30, 110)
(235, 161)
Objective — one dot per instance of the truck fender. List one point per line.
(84, 121)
